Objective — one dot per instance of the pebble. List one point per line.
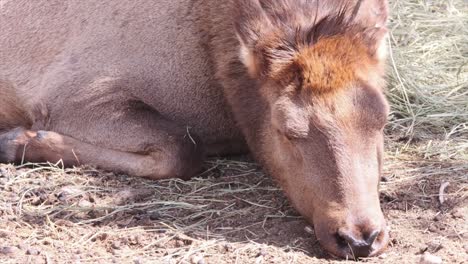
(3, 172)
(8, 250)
(155, 216)
(47, 241)
(197, 259)
(23, 246)
(32, 251)
(103, 236)
(433, 229)
(116, 245)
(427, 258)
(134, 240)
(85, 203)
(262, 253)
(434, 246)
(179, 243)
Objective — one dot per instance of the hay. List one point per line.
(428, 85)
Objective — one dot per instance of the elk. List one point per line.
(151, 88)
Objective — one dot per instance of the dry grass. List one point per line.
(429, 66)
(232, 213)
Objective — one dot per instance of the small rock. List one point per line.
(427, 258)
(47, 241)
(383, 256)
(423, 249)
(434, 246)
(85, 203)
(8, 250)
(261, 253)
(134, 240)
(155, 216)
(438, 217)
(179, 243)
(36, 201)
(197, 259)
(32, 251)
(91, 198)
(103, 236)
(50, 199)
(3, 172)
(433, 229)
(116, 245)
(23, 246)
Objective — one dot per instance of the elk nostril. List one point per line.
(358, 247)
(373, 235)
(346, 238)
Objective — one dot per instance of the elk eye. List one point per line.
(295, 133)
(286, 135)
(289, 137)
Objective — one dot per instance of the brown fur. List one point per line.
(12, 111)
(150, 87)
(332, 63)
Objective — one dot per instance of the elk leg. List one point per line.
(175, 159)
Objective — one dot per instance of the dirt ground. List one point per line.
(232, 213)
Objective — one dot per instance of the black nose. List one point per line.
(360, 246)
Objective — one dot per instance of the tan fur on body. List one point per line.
(150, 87)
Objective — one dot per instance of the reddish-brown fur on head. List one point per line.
(332, 63)
(326, 54)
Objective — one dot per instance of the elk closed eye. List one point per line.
(295, 135)
(289, 137)
(284, 135)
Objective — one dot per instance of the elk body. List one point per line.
(149, 88)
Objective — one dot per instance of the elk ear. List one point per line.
(373, 15)
(251, 23)
(377, 42)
